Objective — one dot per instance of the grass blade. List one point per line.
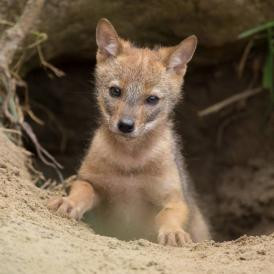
(257, 29)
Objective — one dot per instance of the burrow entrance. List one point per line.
(229, 153)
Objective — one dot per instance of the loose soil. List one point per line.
(34, 240)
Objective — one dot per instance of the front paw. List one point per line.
(66, 207)
(173, 237)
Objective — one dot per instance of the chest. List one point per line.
(125, 206)
(115, 188)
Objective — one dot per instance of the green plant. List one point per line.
(265, 31)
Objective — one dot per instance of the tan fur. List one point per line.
(137, 181)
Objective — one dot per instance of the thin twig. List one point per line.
(58, 124)
(26, 106)
(10, 130)
(41, 38)
(10, 86)
(55, 70)
(46, 184)
(5, 22)
(40, 150)
(43, 154)
(246, 52)
(235, 98)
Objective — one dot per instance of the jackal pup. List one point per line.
(133, 176)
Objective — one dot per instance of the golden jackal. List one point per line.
(133, 177)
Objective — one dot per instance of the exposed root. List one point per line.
(55, 70)
(10, 42)
(43, 154)
(231, 100)
(58, 125)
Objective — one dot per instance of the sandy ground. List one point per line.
(33, 240)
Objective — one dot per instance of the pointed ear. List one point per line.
(182, 54)
(107, 39)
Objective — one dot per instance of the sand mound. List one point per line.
(33, 240)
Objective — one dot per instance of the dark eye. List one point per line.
(152, 100)
(115, 91)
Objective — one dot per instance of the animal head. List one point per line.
(137, 88)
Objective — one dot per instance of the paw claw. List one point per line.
(174, 238)
(65, 207)
(55, 203)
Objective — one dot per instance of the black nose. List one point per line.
(126, 125)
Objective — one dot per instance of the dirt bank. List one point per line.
(33, 240)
